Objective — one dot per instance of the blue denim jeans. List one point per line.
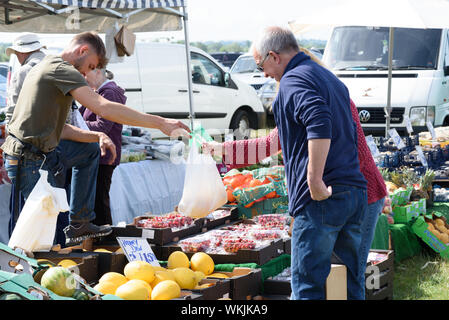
(323, 227)
(368, 229)
(82, 159)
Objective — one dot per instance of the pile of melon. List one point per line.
(438, 228)
(142, 281)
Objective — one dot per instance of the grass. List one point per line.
(422, 277)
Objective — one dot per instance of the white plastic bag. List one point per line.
(36, 226)
(204, 191)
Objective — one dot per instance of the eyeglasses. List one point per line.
(260, 64)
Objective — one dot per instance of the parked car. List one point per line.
(245, 69)
(227, 59)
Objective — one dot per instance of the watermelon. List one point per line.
(59, 280)
(80, 295)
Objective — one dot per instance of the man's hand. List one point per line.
(213, 148)
(106, 144)
(174, 128)
(318, 190)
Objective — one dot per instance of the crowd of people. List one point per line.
(335, 190)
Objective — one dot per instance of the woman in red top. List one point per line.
(242, 153)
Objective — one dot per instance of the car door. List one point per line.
(212, 100)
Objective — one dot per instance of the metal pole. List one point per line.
(388, 108)
(189, 72)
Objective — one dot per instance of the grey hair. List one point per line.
(277, 39)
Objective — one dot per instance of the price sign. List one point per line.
(421, 156)
(138, 249)
(396, 138)
(408, 124)
(431, 130)
(372, 146)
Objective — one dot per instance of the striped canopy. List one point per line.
(116, 4)
(74, 16)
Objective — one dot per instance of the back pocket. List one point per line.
(335, 209)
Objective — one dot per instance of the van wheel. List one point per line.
(241, 125)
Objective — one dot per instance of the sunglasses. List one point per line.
(260, 64)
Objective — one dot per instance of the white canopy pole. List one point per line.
(189, 71)
(388, 108)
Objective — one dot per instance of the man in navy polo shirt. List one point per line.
(327, 191)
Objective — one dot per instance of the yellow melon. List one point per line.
(161, 276)
(218, 275)
(133, 290)
(114, 277)
(178, 259)
(201, 261)
(199, 276)
(185, 277)
(166, 290)
(158, 268)
(67, 263)
(139, 270)
(102, 250)
(106, 287)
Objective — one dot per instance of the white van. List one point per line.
(155, 80)
(420, 77)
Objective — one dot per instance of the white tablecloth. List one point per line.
(150, 186)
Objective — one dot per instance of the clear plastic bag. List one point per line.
(36, 226)
(203, 190)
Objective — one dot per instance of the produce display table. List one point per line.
(138, 188)
(405, 243)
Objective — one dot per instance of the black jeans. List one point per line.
(102, 201)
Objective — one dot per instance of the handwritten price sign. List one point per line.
(138, 249)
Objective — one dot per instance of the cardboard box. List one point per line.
(336, 284)
(159, 236)
(245, 283)
(401, 197)
(209, 224)
(189, 295)
(274, 205)
(259, 256)
(409, 212)
(87, 263)
(420, 228)
(381, 277)
(220, 288)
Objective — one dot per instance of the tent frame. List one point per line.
(36, 9)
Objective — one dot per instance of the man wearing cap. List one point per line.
(27, 49)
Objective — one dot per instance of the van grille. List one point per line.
(377, 115)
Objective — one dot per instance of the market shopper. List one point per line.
(326, 190)
(38, 124)
(242, 153)
(101, 81)
(27, 48)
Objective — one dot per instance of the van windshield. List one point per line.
(366, 48)
(244, 65)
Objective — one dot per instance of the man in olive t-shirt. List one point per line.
(38, 125)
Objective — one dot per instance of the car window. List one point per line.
(4, 71)
(204, 71)
(244, 64)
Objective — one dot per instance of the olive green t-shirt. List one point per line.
(43, 105)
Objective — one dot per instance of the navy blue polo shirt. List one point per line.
(312, 103)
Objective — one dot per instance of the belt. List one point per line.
(29, 151)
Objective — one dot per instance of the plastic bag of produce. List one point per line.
(203, 191)
(36, 226)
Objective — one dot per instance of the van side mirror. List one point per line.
(446, 70)
(227, 79)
